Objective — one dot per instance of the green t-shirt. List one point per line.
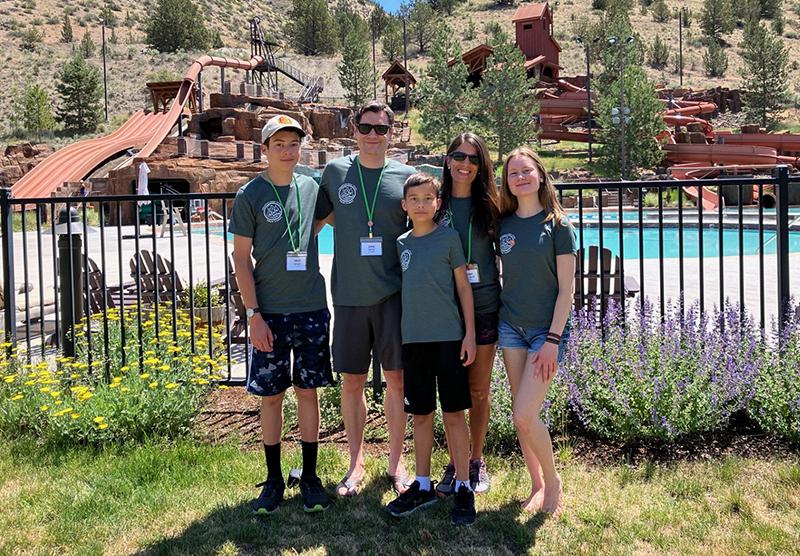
(356, 280)
(486, 292)
(258, 214)
(430, 306)
(528, 250)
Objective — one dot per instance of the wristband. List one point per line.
(554, 335)
(552, 341)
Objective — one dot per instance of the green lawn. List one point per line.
(193, 498)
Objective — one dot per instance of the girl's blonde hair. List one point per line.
(548, 196)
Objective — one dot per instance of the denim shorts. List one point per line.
(531, 339)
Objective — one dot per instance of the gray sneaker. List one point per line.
(479, 476)
(448, 482)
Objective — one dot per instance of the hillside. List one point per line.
(131, 63)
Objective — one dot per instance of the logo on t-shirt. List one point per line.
(272, 211)
(347, 193)
(405, 259)
(445, 219)
(507, 241)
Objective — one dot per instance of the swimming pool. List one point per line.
(650, 240)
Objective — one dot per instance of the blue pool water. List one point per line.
(630, 236)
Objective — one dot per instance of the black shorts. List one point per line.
(305, 334)
(486, 328)
(357, 328)
(431, 364)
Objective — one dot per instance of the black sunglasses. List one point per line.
(461, 157)
(380, 129)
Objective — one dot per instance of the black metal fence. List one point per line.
(107, 285)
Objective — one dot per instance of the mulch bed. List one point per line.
(232, 415)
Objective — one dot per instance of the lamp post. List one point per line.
(682, 14)
(553, 18)
(580, 40)
(405, 64)
(105, 78)
(624, 111)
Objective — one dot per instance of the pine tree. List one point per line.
(216, 40)
(764, 74)
(378, 22)
(422, 23)
(715, 60)
(32, 112)
(113, 38)
(470, 31)
(506, 108)
(392, 43)
(355, 69)
(177, 25)
(311, 28)
(87, 47)
(66, 30)
(660, 11)
(658, 54)
(716, 19)
(80, 95)
(444, 95)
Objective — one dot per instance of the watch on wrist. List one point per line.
(249, 312)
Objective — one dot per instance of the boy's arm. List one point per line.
(464, 291)
(260, 334)
(319, 224)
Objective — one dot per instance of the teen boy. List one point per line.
(436, 348)
(284, 293)
(360, 195)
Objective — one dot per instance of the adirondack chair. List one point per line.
(600, 279)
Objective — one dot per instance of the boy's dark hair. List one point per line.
(418, 179)
(374, 106)
(271, 136)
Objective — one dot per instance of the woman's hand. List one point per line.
(468, 350)
(545, 361)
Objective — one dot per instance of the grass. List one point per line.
(193, 498)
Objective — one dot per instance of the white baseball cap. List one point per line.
(279, 123)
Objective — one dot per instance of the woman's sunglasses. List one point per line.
(380, 129)
(461, 157)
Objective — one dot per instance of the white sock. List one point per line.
(424, 482)
(465, 483)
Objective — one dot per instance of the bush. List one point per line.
(715, 60)
(30, 39)
(99, 398)
(658, 54)
(660, 11)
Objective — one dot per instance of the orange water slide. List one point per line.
(781, 142)
(142, 130)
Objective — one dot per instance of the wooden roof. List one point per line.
(475, 59)
(397, 74)
(530, 11)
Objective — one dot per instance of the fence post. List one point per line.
(782, 241)
(9, 294)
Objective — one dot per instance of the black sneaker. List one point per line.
(271, 496)
(479, 478)
(315, 499)
(448, 483)
(411, 500)
(464, 507)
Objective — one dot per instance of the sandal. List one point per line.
(348, 487)
(399, 483)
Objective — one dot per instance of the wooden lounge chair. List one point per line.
(601, 280)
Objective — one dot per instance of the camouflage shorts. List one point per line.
(305, 334)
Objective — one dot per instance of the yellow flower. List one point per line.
(10, 378)
(102, 426)
(200, 381)
(164, 368)
(44, 407)
(124, 389)
(74, 376)
(125, 369)
(113, 385)
(75, 415)
(17, 397)
(144, 375)
(153, 385)
(44, 389)
(85, 396)
(29, 382)
(223, 387)
(55, 393)
(171, 385)
(62, 411)
(99, 419)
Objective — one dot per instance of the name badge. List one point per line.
(473, 275)
(296, 261)
(371, 246)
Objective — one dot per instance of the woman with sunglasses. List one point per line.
(470, 205)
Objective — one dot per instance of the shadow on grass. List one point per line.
(349, 526)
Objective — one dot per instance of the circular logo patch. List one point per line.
(272, 212)
(405, 259)
(507, 241)
(445, 220)
(347, 193)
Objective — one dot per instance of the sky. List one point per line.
(390, 6)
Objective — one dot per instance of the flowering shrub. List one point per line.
(654, 379)
(96, 398)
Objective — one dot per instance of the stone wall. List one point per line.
(18, 160)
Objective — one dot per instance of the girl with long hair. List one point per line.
(537, 251)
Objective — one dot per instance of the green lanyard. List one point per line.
(295, 247)
(370, 208)
(469, 235)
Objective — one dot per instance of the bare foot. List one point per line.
(350, 485)
(551, 503)
(534, 502)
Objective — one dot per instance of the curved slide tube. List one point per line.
(143, 129)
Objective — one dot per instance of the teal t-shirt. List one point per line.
(355, 280)
(528, 250)
(259, 214)
(486, 293)
(430, 305)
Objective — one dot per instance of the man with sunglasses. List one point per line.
(360, 194)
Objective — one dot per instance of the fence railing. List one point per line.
(117, 279)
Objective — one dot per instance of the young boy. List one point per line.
(436, 348)
(273, 219)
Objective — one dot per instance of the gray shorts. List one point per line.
(355, 329)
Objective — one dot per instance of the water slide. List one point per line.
(143, 130)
